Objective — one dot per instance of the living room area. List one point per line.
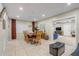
(39, 29)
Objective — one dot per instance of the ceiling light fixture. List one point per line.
(68, 3)
(17, 16)
(21, 8)
(43, 15)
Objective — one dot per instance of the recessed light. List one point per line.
(17, 16)
(68, 3)
(43, 15)
(21, 8)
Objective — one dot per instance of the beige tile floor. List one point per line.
(21, 48)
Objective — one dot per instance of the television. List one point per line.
(58, 28)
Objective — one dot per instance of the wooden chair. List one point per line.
(42, 34)
(26, 36)
(38, 37)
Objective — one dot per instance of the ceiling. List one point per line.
(37, 11)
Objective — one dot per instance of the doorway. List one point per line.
(13, 29)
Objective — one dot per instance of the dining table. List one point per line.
(31, 36)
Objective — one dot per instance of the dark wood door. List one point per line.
(33, 26)
(13, 29)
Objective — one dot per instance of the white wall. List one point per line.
(49, 22)
(22, 26)
(49, 27)
(67, 29)
(4, 35)
(1, 34)
(67, 25)
(1, 7)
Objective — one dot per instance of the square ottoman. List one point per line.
(57, 48)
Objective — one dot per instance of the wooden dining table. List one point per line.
(34, 36)
(31, 36)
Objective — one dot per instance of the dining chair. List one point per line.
(38, 37)
(26, 36)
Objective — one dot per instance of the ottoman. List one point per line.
(57, 48)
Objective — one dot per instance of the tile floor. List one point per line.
(21, 48)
